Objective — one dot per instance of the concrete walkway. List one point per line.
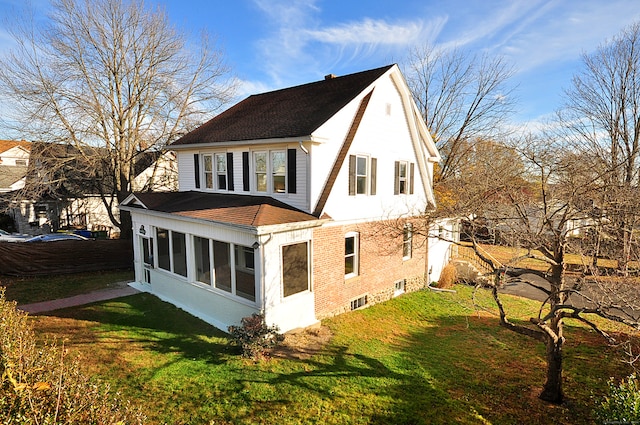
(121, 290)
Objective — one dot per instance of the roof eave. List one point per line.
(233, 143)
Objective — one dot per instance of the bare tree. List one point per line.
(547, 212)
(601, 118)
(463, 98)
(115, 80)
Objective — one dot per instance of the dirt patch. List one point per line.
(302, 344)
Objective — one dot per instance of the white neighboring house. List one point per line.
(69, 204)
(284, 204)
(14, 159)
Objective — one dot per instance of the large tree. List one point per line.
(463, 98)
(545, 209)
(601, 117)
(114, 79)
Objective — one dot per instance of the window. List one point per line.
(407, 241)
(260, 162)
(244, 273)
(222, 265)
(403, 183)
(164, 257)
(172, 255)
(362, 175)
(178, 249)
(278, 171)
(208, 171)
(221, 171)
(399, 287)
(217, 174)
(215, 267)
(295, 268)
(202, 254)
(359, 302)
(351, 255)
(21, 162)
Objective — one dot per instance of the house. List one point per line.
(53, 186)
(14, 159)
(295, 203)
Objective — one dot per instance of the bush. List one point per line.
(448, 277)
(622, 404)
(39, 384)
(254, 337)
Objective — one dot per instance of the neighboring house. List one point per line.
(58, 191)
(289, 205)
(14, 159)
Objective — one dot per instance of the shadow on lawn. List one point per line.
(151, 323)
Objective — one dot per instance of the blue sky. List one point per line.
(271, 44)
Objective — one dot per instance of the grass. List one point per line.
(423, 358)
(34, 289)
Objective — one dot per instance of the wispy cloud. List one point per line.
(301, 42)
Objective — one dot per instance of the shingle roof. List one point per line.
(9, 174)
(291, 112)
(227, 208)
(5, 145)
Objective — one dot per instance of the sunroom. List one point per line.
(223, 257)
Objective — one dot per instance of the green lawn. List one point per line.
(34, 289)
(423, 358)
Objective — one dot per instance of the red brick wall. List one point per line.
(381, 265)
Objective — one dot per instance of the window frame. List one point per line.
(261, 173)
(213, 178)
(172, 254)
(280, 174)
(286, 293)
(407, 241)
(355, 255)
(220, 174)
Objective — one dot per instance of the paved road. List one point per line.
(610, 294)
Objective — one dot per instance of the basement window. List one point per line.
(358, 303)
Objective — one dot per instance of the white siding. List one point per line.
(300, 199)
(186, 171)
(217, 307)
(385, 137)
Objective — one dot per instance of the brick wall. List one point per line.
(381, 266)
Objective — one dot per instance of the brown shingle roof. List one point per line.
(291, 112)
(5, 145)
(227, 208)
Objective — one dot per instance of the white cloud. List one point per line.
(301, 46)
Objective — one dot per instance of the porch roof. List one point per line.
(242, 210)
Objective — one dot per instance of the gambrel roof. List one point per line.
(291, 112)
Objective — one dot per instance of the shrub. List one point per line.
(622, 404)
(254, 337)
(40, 384)
(448, 277)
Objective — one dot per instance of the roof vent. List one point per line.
(330, 76)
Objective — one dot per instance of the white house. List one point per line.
(295, 203)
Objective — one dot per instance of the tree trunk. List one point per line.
(552, 390)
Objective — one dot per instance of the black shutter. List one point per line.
(374, 171)
(411, 168)
(396, 179)
(291, 170)
(196, 168)
(230, 171)
(352, 175)
(245, 171)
